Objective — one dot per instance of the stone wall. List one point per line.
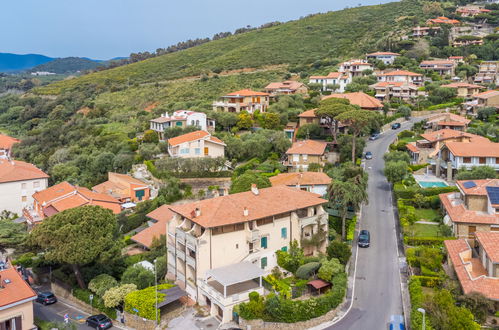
(137, 322)
(198, 184)
(64, 293)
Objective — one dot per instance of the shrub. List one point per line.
(115, 296)
(101, 283)
(405, 134)
(145, 301)
(139, 276)
(25, 260)
(97, 302)
(329, 269)
(339, 250)
(433, 241)
(253, 309)
(307, 270)
(292, 259)
(416, 167)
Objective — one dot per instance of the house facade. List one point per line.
(287, 87)
(473, 209)
(219, 248)
(243, 100)
(448, 120)
(401, 76)
(182, 119)
(442, 20)
(16, 300)
(442, 67)
(354, 68)
(306, 152)
(64, 196)
(423, 31)
(387, 90)
(361, 99)
(386, 57)
(18, 182)
(124, 188)
(464, 90)
(196, 144)
(338, 79)
(488, 73)
(316, 182)
(6, 144)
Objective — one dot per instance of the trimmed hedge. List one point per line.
(401, 191)
(438, 241)
(97, 302)
(428, 281)
(145, 301)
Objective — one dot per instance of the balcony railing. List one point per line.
(253, 235)
(230, 299)
(180, 277)
(191, 261)
(191, 242)
(181, 255)
(321, 218)
(180, 235)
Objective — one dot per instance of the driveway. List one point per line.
(377, 283)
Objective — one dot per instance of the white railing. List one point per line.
(190, 261)
(229, 300)
(253, 235)
(180, 277)
(322, 219)
(181, 255)
(180, 235)
(191, 241)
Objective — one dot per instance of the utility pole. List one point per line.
(156, 289)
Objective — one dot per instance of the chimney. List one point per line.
(254, 189)
(197, 211)
(245, 211)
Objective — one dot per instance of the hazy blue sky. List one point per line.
(103, 29)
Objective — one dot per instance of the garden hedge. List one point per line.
(97, 302)
(145, 300)
(401, 191)
(428, 281)
(438, 241)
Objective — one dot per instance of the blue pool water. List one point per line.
(432, 184)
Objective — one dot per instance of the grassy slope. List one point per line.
(336, 34)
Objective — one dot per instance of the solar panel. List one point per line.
(493, 193)
(469, 184)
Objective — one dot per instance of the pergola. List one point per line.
(234, 274)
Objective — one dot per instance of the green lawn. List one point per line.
(427, 214)
(422, 230)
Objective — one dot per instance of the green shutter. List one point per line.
(284, 249)
(263, 242)
(263, 262)
(284, 232)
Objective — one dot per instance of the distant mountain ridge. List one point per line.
(67, 65)
(15, 62)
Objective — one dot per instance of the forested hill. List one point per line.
(67, 65)
(337, 34)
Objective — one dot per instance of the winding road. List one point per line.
(377, 284)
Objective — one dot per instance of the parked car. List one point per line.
(396, 322)
(99, 321)
(364, 238)
(375, 136)
(369, 155)
(396, 126)
(46, 298)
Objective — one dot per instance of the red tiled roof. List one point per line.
(331, 75)
(443, 20)
(300, 179)
(437, 62)
(461, 85)
(487, 94)
(451, 123)
(464, 268)
(247, 92)
(15, 170)
(383, 53)
(401, 73)
(288, 84)
(307, 147)
(448, 117)
(226, 210)
(474, 149)
(412, 147)
(479, 188)
(162, 215)
(15, 291)
(446, 133)
(490, 243)
(359, 98)
(51, 193)
(458, 213)
(193, 136)
(308, 114)
(319, 284)
(6, 142)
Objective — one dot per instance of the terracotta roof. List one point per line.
(307, 147)
(359, 98)
(15, 170)
(479, 188)
(167, 119)
(383, 53)
(331, 75)
(487, 94)
(51, 193)
(319, 284)
(308, 114)
(6, 142)
(119, 185)
(437, 62)
(229, 209)
(461, 85)
(446, 133)
(458, 213)
(247, 92)
(15, 291)
(443, 20)
(394, 84)
(401, 73)
(412, 147)
(300, 179)
(448, 117)
(490, 243)
(288, 84)
(474, 149)
(193, 136)
(162, 215)
(459, 253)
(456, 57)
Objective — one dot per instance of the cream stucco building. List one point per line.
(219, 248)
(196, 145)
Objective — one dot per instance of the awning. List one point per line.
(236, 273)
(128, 205)
(172, 295)
(319, 284)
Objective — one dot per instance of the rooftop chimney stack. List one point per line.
(245, 211)
(254, 189)
(197, 211)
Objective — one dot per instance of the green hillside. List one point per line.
(337, 34)
(67, 65)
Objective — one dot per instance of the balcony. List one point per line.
(225, 104)
(321, 218)
(171, 246)
(191, 261)
(32, 217)
(172, 262)
(191, 242)
(252, 235)
(180, 277)
(236, 293)
(180, 235)
(181, 255)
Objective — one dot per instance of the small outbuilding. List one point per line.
(318, 286)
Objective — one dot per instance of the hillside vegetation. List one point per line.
(67, 65)
(337, 34)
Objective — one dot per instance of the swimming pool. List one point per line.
(432, 184)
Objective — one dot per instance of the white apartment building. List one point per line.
(18, 182)
(181, 118)
(402, 76)
(219, 248)
(386, 57)
(338, 79)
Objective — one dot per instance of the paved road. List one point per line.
(377, 293)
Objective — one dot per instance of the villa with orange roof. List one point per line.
(18, 182)
(220, 248)
(157, 226)
(487, 99)
(196, 145)
(386, 57)
(124, 188)
(401, 76)
(464, 89)
(361, 99)
(465, 155)
(64, 196)
(182, 119)
(423, 31)
(287, 87)
(442, 20)
(354, 68)
(442, 67)
(448, 120)
(387, 90)
(476, 264)
(338, 79)
(16, 300)
(471, 11)
(488, 73)
(475, 208)
(243, 100)
(303, 153)
(6, 144)
(316, 182)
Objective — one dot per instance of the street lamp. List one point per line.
(156, 289)
(422, 311)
